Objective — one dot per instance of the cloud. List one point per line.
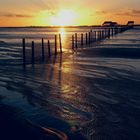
(126, 12)
(102, 12)
(11, 15)
(129, 12)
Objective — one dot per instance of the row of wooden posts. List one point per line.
(94, 36)
(85, 39)
(42, 49)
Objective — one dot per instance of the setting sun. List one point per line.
(64, 18)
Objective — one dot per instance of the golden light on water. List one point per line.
(63, 37)
(62, 31)
(64, 17)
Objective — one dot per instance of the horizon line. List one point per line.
(54, 26)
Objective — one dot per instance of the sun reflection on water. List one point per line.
(62, 31)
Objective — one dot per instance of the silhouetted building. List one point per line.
(110, 23)
(130, 23)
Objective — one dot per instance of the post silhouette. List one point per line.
(86, 39)
(60, 43)
(55, 44)
(112, 31)
(76, 41)
(24, 55)
(103, 34)
(72, 42)
(99, 35)
(82, 40)
(89, 37)
(43, 49)
(33, 55)
(95, 36)
(49, 49)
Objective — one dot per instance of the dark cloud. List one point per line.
(128, 12)
(135, 11)
(10, 15)
(102, 12)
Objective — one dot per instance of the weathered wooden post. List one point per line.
(89, 37)
(86, 39)
(60, 43)
(112, 31)
(103, 34)
(42, 49)
(49, 49)
(91, 34)
(99, 35)
(73, 42)
(33, 51)
(76, 40)
(55, 44)
(24, 55)
(115, 31)
(82, 40)
(109, 33)
(95, 36)
(106, 33)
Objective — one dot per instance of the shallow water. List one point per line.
(100, 95)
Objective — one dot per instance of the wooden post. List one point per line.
(86, 39)
(109, 33)
(98, 35)
(73, 42)
(81, 39)
(42, 49)
(60, 43)
(55, 44)
(24, 55)
(89, 36)
(115, 31)
(106, 33)
(49, 49)
(33, 56)
(103, 34)
(76, 40)
(112, 31)
(95, 36)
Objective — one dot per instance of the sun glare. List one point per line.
(64, 18)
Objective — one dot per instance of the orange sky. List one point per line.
(67, 12)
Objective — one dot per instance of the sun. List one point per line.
(64, 17)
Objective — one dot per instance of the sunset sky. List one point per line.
(67, 12)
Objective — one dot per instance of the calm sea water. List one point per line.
(98, 95)
(11, 39)
(14, 35)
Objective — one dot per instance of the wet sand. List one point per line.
(95, 91)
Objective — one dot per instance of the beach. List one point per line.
(91, 94)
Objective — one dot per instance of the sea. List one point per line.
(93, 93)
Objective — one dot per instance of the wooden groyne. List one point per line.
(81, 40)
(46, 50)
(102, 33)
